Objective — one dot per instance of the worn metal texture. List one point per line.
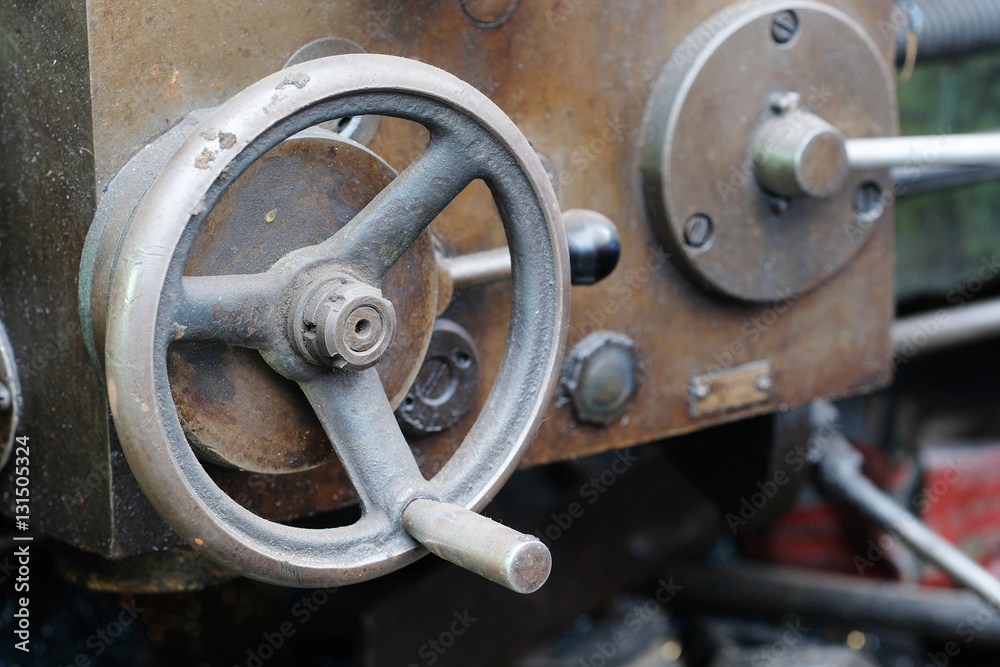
(230, 402)
(575, 78)
(152, 305)
(619, 540)
(715, 99)
(46, 206)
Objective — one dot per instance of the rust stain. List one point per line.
(172, 86)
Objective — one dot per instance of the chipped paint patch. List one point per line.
(227, 139)
(204, 158)
(299, 81)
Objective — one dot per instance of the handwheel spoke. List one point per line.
(378, 235)
(232, 309)
(356, 415)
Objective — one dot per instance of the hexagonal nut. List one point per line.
(601, 376)
(347, 325)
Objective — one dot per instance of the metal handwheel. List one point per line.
(318, 317)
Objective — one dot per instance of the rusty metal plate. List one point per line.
(233, 407)
(731, 389)
(711, 98)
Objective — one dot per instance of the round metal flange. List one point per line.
(708, 105)
(470, 138)
(234, 409)
(445, 387)
(10, 397)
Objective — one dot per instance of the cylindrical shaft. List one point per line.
(479, 268)
(503, 555)
(945, 328)
(840, 475)
(944, 149)
(931, 612)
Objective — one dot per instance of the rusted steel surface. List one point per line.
(46, 206)
(574, 76)
(232, 405)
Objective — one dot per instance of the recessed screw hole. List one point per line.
(363, 328)
(869, 205)
(462, 359)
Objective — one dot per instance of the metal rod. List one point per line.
(503, 555)
(916, 179)
(478, 268)
(944, 149)
(945, 328)
(939, 613)
(839, 473)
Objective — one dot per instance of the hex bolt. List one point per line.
(784, 25)
(601, 377)
(698, 231)
(6, 400)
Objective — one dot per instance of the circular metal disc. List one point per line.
(235, 410)
(711, 97)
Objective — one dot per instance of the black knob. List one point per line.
(594, 247)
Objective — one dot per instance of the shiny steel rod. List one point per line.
(943, 149)
(839, 474)
(945, 328)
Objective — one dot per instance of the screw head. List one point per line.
(784, 26)
(764, 383)
(698, 231)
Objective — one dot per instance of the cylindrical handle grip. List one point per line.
(503, 555)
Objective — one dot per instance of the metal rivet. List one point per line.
(698, 230)
(784, 25)
(700, 391)
(764, 383)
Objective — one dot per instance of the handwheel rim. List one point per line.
(152, 258)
